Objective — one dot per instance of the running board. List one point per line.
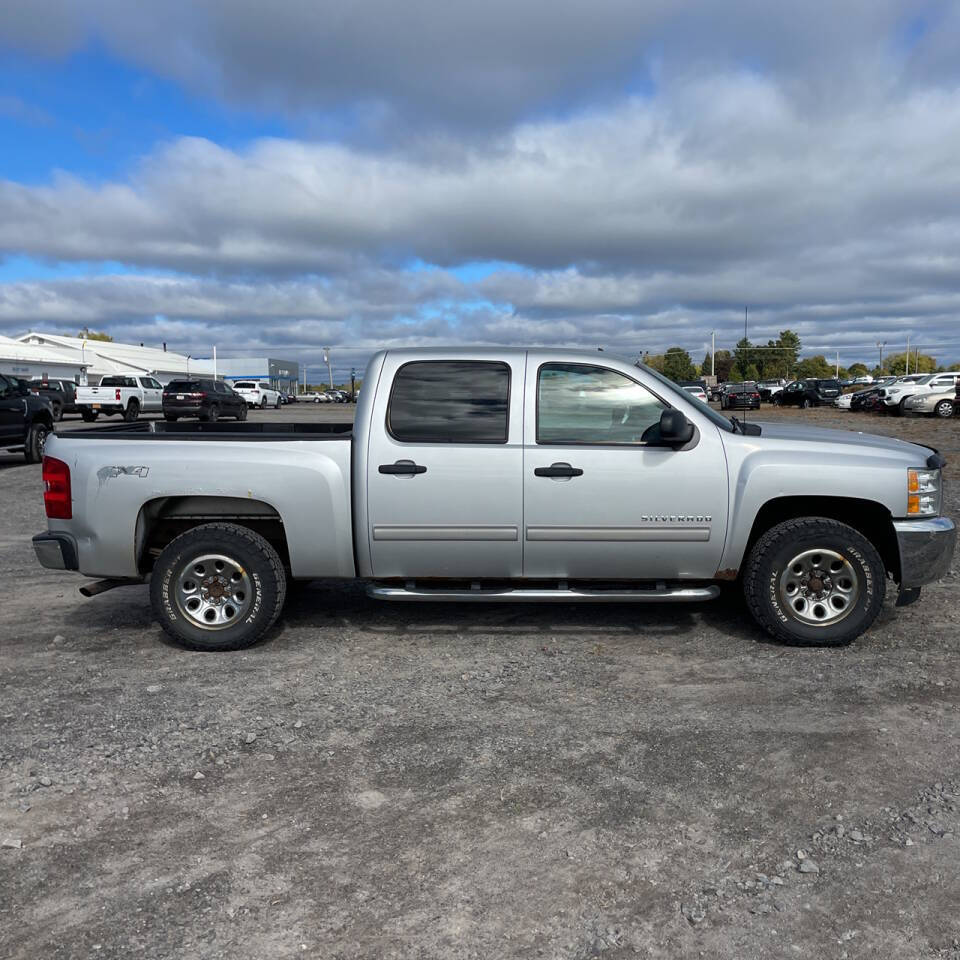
(659, 594)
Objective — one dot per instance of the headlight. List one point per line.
(923, 493)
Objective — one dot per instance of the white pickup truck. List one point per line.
(129, 396)
(257, 394)
(500, 475)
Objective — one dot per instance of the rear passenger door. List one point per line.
(152, 394)
(445, 467)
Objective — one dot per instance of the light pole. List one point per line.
(326, 360)
(713, 353)
(881, 346)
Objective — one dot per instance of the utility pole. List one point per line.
(908, 353)
(713, 353)
(326, 360)
(881, 346)
(838, 364)
(214, 361)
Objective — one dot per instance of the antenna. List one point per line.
(745, 348)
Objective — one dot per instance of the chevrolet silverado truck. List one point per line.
(499, 475)
(128, 396)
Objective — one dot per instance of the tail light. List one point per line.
(57, 496)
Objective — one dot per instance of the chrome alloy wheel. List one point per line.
(213, 591)
(819, 587)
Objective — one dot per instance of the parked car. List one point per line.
(204, 398)
(769, 389)
(62, 395)
(896, 394)
(931, 404)
(128, 396)
(809, 393)
(740, 396)
(695, 390)
(26, 419)
(257, 394)
(506, 475)
(288, 397)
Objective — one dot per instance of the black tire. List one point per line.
(806, 403)
(276, 406)
(263, 403)
(944, 409)
(132, 412)
(36, 440)
(57, 412)
(242, 415)
(249, 551)
(769, 561)
(89, 415)
(170, 418)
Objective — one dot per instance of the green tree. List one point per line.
(896, 363)
(677, 364)
(857, 370)
(724, 365)
(815, 367)
(94, 335)
(743, 358)
(654, 361)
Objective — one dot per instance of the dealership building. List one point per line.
(35, 355)
(31, 362)
(280, 374)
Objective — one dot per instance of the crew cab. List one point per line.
(62, 395)
(257, 394)
(26, 419)
(500, 475)
(127, 396)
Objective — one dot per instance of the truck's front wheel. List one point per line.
(813, 580)
(218, 586)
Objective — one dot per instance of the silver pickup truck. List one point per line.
(499, 475)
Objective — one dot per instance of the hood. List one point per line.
(845, 438)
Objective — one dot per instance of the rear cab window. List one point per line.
(450, 401)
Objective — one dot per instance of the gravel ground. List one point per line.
(473, 781)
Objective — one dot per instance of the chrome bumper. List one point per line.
(57, 551)
(926, 549)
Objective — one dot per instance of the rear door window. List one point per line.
(450, 401)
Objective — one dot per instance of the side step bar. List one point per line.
(661, 593)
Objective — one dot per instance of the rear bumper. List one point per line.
(56, 551)
(926, 549)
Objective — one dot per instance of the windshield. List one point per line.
(183, 386)
(722, 422)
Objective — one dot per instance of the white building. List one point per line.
(103, 358)
(36, 361)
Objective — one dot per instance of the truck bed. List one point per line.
(221, 430)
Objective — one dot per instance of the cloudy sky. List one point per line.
(628, 173)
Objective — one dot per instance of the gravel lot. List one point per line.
(473, 781)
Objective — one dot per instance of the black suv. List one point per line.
(26, 420)
(809, 393)
(62, 395)
(207, 399)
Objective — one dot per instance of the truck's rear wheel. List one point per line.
(218, 586)
(89, 415)
(814, 580)
(132, 411)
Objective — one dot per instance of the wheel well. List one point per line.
(165, 518)
(870, 518)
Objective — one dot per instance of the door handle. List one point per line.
(558, 470)
(402, 468)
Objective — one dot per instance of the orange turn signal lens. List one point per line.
(913, 481)
(913, 503)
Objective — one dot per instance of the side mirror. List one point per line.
(674, 429)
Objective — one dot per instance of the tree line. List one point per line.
(780, 360)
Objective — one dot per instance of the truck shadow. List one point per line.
(346, 607)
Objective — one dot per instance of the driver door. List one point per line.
(599, 502)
